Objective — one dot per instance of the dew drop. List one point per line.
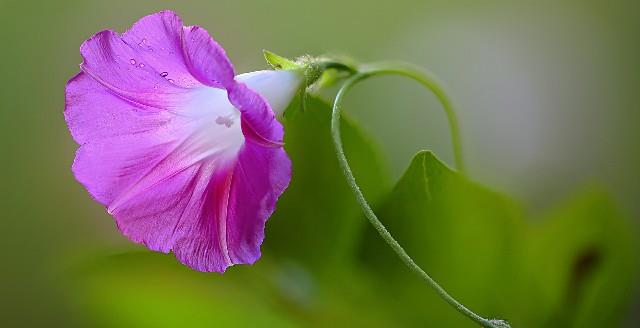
(132, 61)
(141, 65)
(164, 74)
(170, 80)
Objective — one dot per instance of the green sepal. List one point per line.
(279, 62)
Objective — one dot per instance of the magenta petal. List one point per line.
(158, 42)
(260, 177)
(238, 202)
(179, 163)
(185, 211)
(93, 112)
(156, 57)
(207, 60)
(260, 123)
(117, 66)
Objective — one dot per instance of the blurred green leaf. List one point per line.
(574, 269)
(143, 289)
(317, 222)
(583, 264)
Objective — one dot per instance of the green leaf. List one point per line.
(582, 263)
(573, 268)
(317, 221)
(463, 235)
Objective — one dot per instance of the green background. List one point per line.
(547, 93)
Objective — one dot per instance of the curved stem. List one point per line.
(429, 82)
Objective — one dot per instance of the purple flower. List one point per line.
(185, 155)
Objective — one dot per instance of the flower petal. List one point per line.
(158, 41)
(185, 212)
(115, 65)
(93, 112)
(260, 177)
(156, 174)
(155, 58)
(125, 150)
(259, 122)
(169, 158)
(165, 187)
(207, 60)
(213, 214)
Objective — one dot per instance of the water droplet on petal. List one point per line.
(141, 65)
(132, 61)
(164, 74)
(170, 80)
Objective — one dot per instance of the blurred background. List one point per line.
(547, 94)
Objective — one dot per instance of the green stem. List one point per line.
(429, 82)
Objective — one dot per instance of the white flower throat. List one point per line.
(215, 122)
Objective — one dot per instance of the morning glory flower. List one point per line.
(186, 155)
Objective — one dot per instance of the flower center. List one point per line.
(214, 124)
